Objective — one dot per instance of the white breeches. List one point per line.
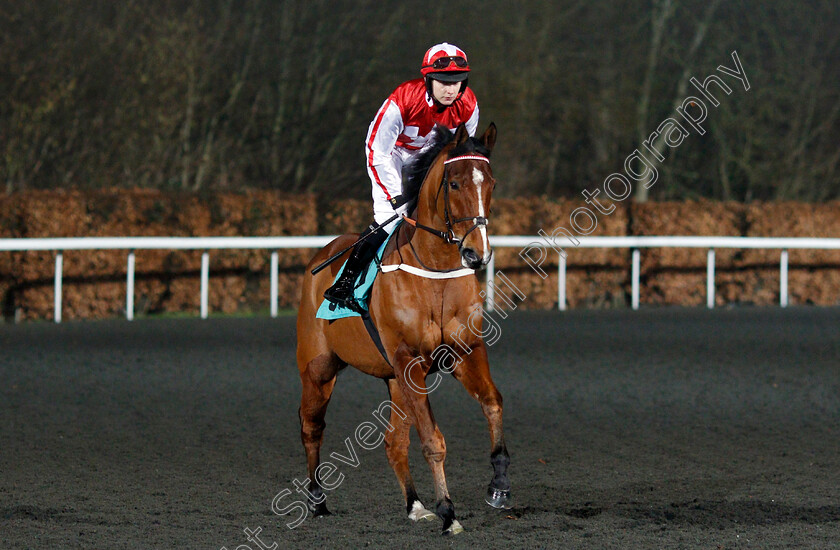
(382, 209)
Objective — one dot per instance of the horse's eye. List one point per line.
(453, 184)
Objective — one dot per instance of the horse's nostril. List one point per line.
(471, 257)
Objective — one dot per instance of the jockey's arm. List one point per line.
(379, 147)
(472, 122)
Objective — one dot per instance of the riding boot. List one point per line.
(341, 292)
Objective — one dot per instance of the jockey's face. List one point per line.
(445, 92)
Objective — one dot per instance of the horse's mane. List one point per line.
(414, 172)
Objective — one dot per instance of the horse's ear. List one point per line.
(461, 134)
(489, 137)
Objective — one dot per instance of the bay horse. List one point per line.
(416, 316)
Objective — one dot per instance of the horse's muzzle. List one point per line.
(471, 259)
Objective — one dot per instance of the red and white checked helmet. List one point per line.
(445, 62)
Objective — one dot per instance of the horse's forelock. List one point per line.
(470, 146)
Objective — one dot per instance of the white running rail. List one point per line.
(59, 245)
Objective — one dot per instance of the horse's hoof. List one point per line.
(453, 529)
(498, 498)
(319, 509)
(419, 512)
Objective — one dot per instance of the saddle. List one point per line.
(362, 288)
(361, 293)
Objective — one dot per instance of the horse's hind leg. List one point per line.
(474, 374)
(396, 447)
(318, 380)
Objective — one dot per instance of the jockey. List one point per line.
(397, 133)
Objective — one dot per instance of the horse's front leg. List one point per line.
(410, 370)
(396, 447)
(473, 371)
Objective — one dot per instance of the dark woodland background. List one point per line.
(224, 96)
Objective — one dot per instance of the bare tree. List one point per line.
(663, 12)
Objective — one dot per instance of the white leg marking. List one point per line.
(455, 528)
(418, 512)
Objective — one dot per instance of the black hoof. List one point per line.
(498, 498)
(318, 509)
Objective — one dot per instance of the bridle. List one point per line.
(478, 221)
(449, 236)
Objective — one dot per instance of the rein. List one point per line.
(448, 236)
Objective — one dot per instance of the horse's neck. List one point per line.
(432, 250)
(428, 251)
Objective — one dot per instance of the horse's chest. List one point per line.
(425, 334)
(430, 336)
(424, 327)
(434, 332)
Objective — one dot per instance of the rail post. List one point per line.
(783, 279)
(129, 287)
(710, 279)
(59, 267)
(205, 283)
(275, 263)
(490, 293)
(561, 282)
(634, 297)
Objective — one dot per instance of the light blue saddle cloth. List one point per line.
(363, 285)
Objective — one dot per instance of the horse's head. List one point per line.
(467, 186)
(455, 196)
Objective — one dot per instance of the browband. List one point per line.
(468, 157)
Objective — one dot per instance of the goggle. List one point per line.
(444, 62)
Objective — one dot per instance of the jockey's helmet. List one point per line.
(445, 62)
